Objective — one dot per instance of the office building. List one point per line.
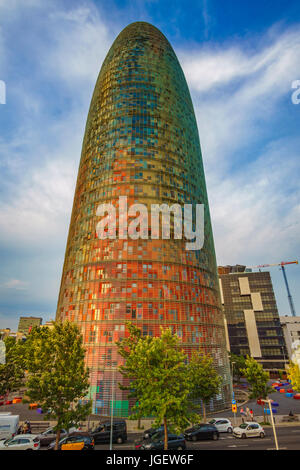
(141, 142)
(251, 316)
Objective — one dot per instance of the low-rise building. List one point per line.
(27, 323)
(291, 330)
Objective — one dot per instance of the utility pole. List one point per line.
(272, 421)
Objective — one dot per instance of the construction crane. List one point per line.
(282, 264)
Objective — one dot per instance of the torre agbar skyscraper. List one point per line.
(141, 141)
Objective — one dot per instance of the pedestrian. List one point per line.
(251, 414)
(24, 428)
(291, 413)
(243, 414)
(247, 412)
(28, 427)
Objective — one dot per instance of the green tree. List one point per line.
(293, 374)
(258, 379)
(126, 347)
(204, 379)
(237, 365)
(157, 372)
(12, 371)
(57, 378)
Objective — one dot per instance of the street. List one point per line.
(288, 439)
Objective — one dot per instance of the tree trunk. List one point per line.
(165, 434)
(264, 414)
(57, 439)
(139, 423)
(204, 411)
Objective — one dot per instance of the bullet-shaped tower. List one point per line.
(141, 141)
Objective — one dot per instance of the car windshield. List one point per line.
(157, 437)
(8, 440)
(243, 425)
(48, 431)
(99, 428)
(197, 426)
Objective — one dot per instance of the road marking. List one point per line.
(241, 445)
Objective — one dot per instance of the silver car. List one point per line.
(222, 424)
(249, 429)
(21, 442)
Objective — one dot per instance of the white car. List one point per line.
(249, 429)
(222, 424)
(21, 442)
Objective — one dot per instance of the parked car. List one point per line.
(49, 436)
(156, 442)
(21, 442)
(75, 441)
(101, 433)
(222, 424)
(201, 432)
(248, 429)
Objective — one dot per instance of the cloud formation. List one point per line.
(241, 92)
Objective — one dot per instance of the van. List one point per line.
(9, 425)
(101, 433)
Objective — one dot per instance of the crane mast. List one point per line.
(282, 264)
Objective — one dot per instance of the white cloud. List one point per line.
(251, 156)
(81, 42)
(15, 284)
(218, 66)
(237, 95)
(255, 217)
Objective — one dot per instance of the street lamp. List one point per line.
(272, 420)
(234, 414)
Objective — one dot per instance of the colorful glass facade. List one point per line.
(141, 141)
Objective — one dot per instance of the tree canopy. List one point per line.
(162, 380)
(204, 380)
(294, 375)
(57, 378)
(258, 378)
(12, 370)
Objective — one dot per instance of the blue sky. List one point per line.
(240, 59)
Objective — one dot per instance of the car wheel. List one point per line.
(179, 448)
(229, 430)
(194, 438)
(262, 435)
(215, 436)
(244, 436)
